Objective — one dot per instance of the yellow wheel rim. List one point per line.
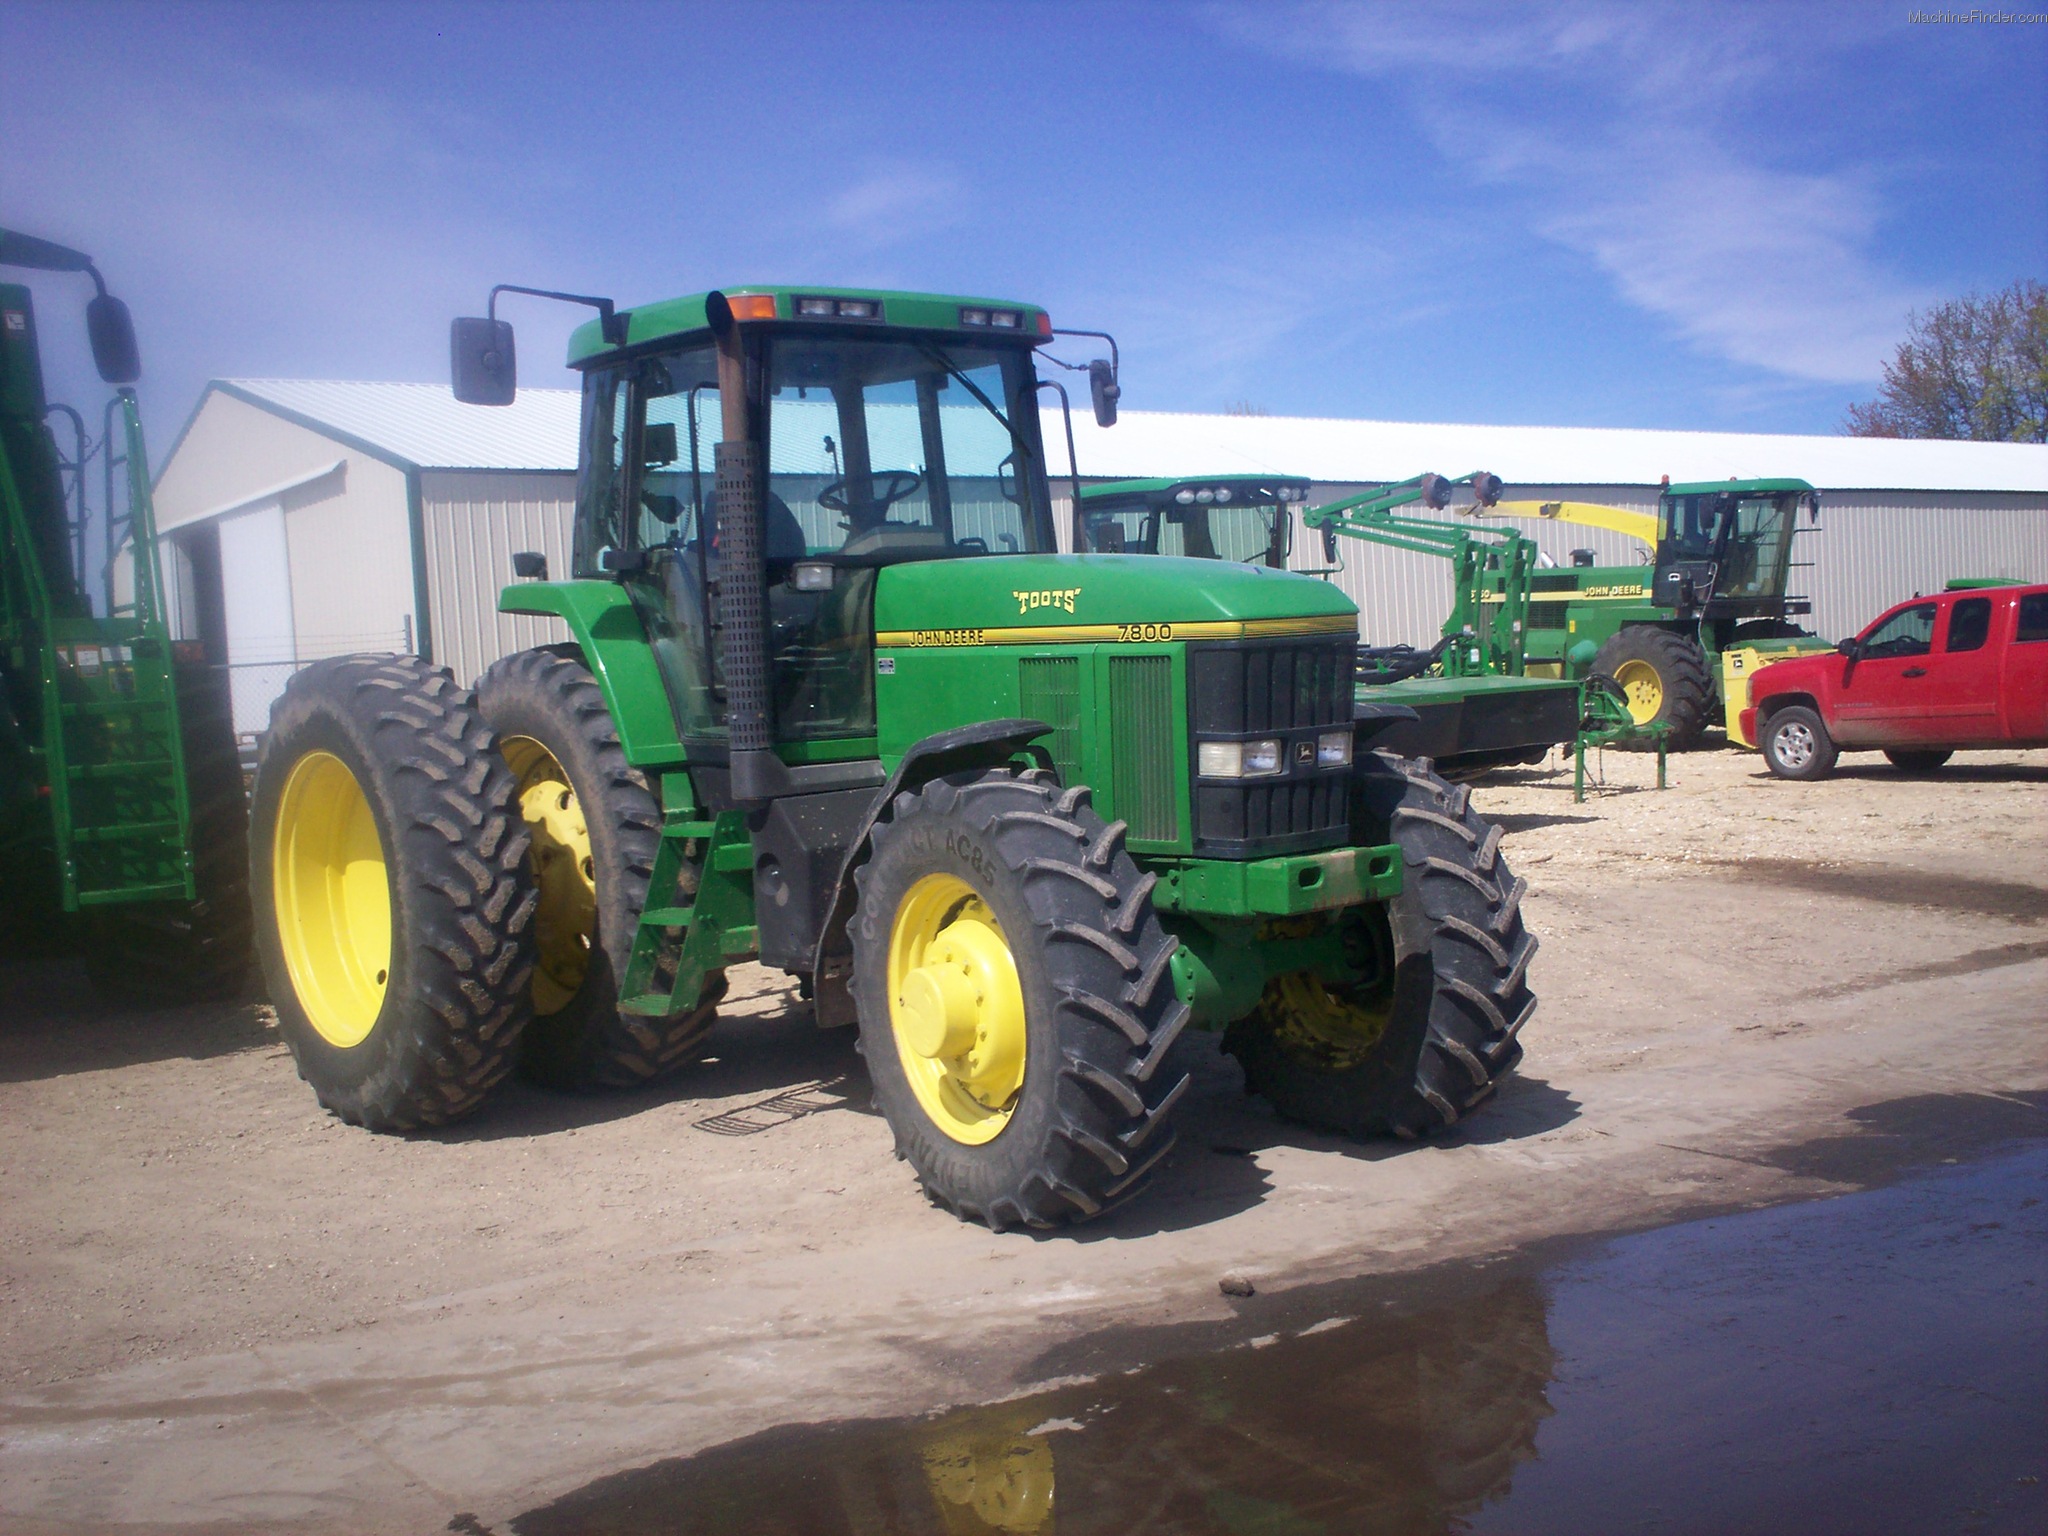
(1644, 687)
(565, 927)
(956, 1009)
(1315, 1025)
(332, 897)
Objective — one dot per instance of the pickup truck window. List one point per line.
(1969, 624)
(1909, 632)
(2033, 617)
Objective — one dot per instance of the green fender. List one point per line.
(601, 617)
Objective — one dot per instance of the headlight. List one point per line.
(1333, 749)
(1237, 759)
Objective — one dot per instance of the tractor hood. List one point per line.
(1079, 598)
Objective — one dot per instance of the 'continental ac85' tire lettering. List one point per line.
(1016, 1006)
(392, 899)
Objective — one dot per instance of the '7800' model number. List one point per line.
(1128, 632)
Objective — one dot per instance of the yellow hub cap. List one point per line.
(1644, 688)
(566, 925)
(332, 897)
(1318, 1026)
(956, 1009)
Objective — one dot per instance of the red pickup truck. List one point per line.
(1956, 671)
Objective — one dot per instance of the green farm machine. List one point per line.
(1463, 702)
(122, 820)
(834, 702)
(1679, 634)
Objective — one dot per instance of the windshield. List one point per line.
(1747, 534)
(1251, 533)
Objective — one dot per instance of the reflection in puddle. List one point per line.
(1874, 1362)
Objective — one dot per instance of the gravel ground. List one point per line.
(220, 1308)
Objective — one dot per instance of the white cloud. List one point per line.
(1640, 137)
(895, 203)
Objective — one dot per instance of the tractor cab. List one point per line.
(1724, 548)
(1248, 519)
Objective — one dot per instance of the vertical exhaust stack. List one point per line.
(757, 774)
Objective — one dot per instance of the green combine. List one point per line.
(834, 702)
(122, 821)
(1463, 702)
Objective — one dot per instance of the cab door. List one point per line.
(2024, 685)
(1885, 688)
(1962, 706)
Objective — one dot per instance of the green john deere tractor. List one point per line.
(1462, 702)
(833, 702)
(122, 822)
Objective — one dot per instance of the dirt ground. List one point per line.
(221, 1310)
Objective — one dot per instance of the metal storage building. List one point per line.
(308, 518)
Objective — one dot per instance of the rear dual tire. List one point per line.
(394, 908)
(595, 828)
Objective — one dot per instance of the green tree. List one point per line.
(1973, 368)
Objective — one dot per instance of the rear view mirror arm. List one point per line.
(1073, 463)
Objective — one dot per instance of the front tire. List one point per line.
(394, 913)
(1016, 1006)
(595, 831)
(1796, 745)
(1417, 1051)
(1665, 679)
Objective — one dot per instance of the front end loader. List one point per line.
(834, 702)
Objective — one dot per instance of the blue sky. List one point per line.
(1704, 216)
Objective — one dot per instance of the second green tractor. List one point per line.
(832, 700)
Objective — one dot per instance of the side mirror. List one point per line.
(1851, 648)
(530, 565)
(1486, 489)
(1329, 544)
(658, 443)
(481, 361)
(1105, 391)
(112, 331)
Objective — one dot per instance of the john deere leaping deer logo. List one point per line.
(1059, 597)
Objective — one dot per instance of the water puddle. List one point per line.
(1872, 1363)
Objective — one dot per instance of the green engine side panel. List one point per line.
(600, 614)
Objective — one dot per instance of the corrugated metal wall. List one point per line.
(475, 521)
(1871, 549)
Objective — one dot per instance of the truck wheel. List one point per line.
(1920, 762)
(1425, 1039)
(1014, 996)
(596, 829)
(394, 911)
(1666, 681)
(166, 954)
(1796, 744)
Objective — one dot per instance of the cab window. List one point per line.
(1969, 624)
(1909, 632)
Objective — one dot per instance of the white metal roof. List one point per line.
(424, 425)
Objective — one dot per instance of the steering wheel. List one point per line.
(890, 487)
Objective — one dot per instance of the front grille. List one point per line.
(1049, 689)
(1290, 689)
(1549, 615)
(1141, 746)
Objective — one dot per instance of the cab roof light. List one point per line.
(995, 319)
(752, 306)
(824, 307)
